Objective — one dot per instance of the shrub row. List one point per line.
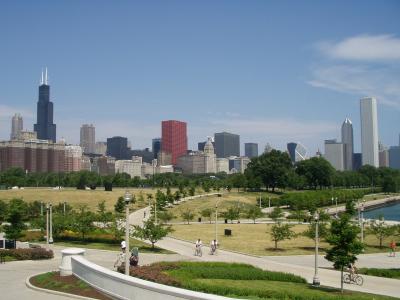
(388, 273)
(28, 254)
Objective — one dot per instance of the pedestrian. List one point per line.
(392, 249)
(121, 256)
(144, 215)
(134, 259)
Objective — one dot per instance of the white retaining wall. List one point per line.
(120, 286)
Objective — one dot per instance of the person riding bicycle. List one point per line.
(198, 246)
(353, 271)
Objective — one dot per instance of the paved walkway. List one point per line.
(299, 265)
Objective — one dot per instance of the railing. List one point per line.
(122, 287)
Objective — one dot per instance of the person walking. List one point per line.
(392, 249)
(213, 247)
(121, 256)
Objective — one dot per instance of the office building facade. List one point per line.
(156, 147)
(251, 150)
(45, 127)
(369, 131)
(348, 144)
(394, 157)
(117, 147)
(297, 152)
(88, 138)
(226, 144)
(17, 125)
(335, 154)
(174, 139)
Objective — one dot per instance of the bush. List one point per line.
(28, 254)
(388, 273)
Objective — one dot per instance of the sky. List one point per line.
(271, 71)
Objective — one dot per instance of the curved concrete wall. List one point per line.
(120, 286)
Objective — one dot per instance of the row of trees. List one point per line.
(270, 170)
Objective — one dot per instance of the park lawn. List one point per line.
(255, 239)
(388, 273)
(75, 197)
(227, 200)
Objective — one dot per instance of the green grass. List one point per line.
(388, 273)
(243, 281)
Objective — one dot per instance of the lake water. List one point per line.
(391, 212)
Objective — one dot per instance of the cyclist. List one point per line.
(392, 249)
(198, 251)
(353, 271)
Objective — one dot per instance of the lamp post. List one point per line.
(336, 204)
(47, 225)
(269, 204)
(65, 203)
(260, 200)
(155, 209)
(362, 221)
(216, 221)
(51, 224)
(127, 198)
(315, 278)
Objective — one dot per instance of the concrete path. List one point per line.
(14, 274)
(299, 265)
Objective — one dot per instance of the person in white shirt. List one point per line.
(198, 251)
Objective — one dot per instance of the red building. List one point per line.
(174, 139)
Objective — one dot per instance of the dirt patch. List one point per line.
(66, 284)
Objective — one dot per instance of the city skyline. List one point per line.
(269, 84)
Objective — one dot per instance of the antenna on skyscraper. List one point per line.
(41, 81)
(46, 78)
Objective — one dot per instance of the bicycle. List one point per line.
(355, 278)
(198, 251)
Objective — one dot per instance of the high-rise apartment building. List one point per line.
(369, 131)
(251, 150)
(45, 128)
(348, 144)
(17, 125)
(100, 148)
(383, 155)
(174, 139)
(117, 147)
(297, 152)
(334, 153)
(227, 144)
(156, 147)
(88, 138)
(73, 158)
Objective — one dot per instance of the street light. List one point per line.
(315, 278)
(127, 198)
(51, 224)
(47, 225)
(216, 220)
(362, 221)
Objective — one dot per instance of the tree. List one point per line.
(343, 237)
(273, 168)
(232, 213)
(350, 207)
(3, 211)
(276, 213)
(119, 207)
(207, 213)
(151, 232)
(187, 215)
(83, 221)
(381, 230)
(165, 216)
(299, 215)
(17, 210)
(281, 232)
(317, 171)
(192, 191)
(103, 215)
(254, 212)
(322, 230)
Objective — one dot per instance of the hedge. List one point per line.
(27, 254)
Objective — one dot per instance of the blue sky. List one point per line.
(272, 71)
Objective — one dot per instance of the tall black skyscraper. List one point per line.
(227, 144)
(44, 127)
(117, 147)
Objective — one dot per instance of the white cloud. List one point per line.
(381, 82)
(364, 47)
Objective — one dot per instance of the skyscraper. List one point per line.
(45, 128)
(16, 126)
(117, 147)
(348, 144)
(251, 150)
(334, 153)
(297, 152)
(174, 139)
(88, 138)
(369, 131)
(227, 144)
(156, 146)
